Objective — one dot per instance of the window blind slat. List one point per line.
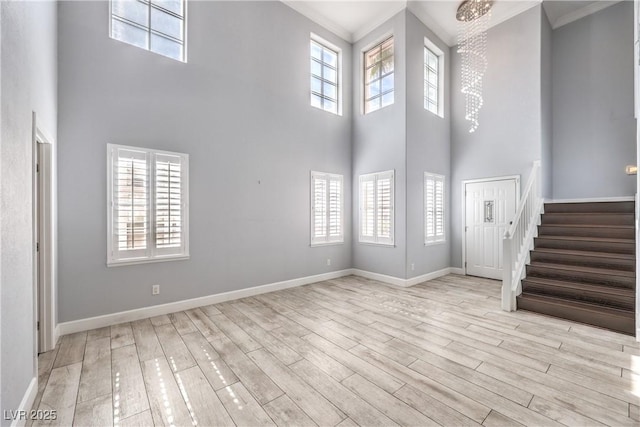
(168, 181)
(327, 205)
(434, 225)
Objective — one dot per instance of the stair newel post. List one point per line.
(507, 271)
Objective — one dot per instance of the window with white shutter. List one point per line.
(377, 208)
(327, 208)
(147, 206)
(433, 208)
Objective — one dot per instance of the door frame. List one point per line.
(516, 178)
(43, 194)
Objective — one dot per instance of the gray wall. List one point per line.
(27, 84)
(240, 109)
(593, 124)
(508, 139)
(546, 93)
(428, 150)
(379, 144)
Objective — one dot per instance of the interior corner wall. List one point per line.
(508, 139)
(379, 144)
(240, 108)
(27, 84)
(428, 150)
(546, 93)
(594, 129)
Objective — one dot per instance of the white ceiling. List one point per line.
(353, 19)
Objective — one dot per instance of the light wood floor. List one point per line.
(346, 352)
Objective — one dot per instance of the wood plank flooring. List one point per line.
(346, 352)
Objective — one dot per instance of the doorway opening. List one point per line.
(43, 238)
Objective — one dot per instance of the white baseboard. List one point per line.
(26, 403)
(405, 283)
(594, 200)
(457, 270)
(172, 307)
(426, 277)
(392, 280)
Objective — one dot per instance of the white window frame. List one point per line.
(432, 238)
(375, 239)
(326, 239)
(365, 82)
(335, 49)
(150, 30)
(430, 46)
(151, 253)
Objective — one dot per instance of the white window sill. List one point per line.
(386, 245)
(136, 261)
(314, 245)
(439, 242)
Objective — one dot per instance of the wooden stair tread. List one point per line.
(587, 306)
(594, 270)
(582, 267)
(587, 213)
(586, 239)
(625, 227)
(585, 253)
(612, 290)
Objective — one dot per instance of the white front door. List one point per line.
(489, 207)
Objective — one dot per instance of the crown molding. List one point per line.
(581, 13)
(378, 20)
(304, 9)
(416, 8)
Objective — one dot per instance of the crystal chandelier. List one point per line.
(473, 21)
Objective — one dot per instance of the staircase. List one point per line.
(583, 265)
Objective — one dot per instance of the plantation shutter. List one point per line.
(384, 207)
(148, 194)
(169, 210)
(319, 209)
(326, 208)
(376, 208)
(130, 203)
(336, 232)
(367, 208)
(434, 208)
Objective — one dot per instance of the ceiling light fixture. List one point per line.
(473, 22)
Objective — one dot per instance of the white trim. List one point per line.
(594, 200)
(435, 50)
(306, 10)
(464, 208)
(81, 325)
(26, 403)
(380, 277)
(172, 307)
(405, 283)
(374, 23)
(428, 276)
(432, 24)
(136, 261)
(587, 10)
